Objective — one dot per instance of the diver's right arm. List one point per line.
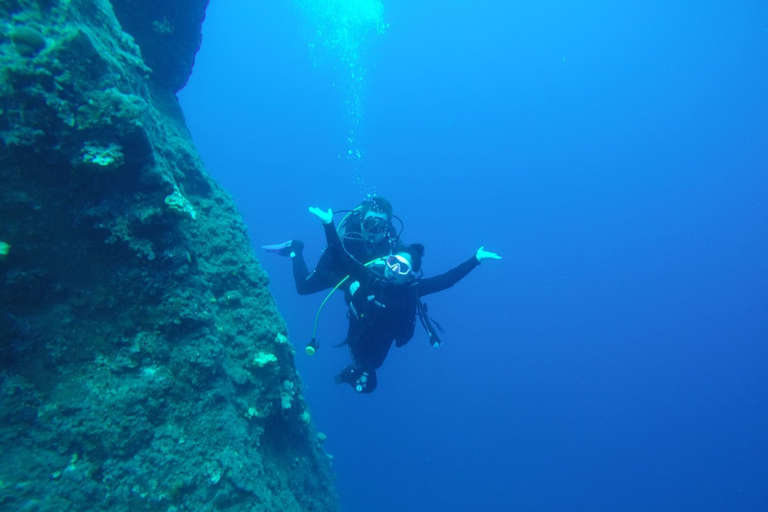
(331, 236)
(344, 260)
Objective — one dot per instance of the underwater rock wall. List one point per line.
(143, 365)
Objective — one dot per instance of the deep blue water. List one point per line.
(614, 153)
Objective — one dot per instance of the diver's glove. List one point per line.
(326, 217)
(482, 254)
(353, 287)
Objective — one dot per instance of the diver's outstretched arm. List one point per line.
(453, 276)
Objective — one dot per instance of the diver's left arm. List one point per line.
(450, 278)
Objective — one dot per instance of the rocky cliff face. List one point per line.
(143, 365)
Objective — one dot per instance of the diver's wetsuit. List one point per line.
(328, 271)
(381, 312)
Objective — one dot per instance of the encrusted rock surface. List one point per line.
(168, 33)
(143, 365)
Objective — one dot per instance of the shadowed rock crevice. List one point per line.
(168, 34)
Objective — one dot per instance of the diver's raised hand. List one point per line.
(326, 217)
(482, 254)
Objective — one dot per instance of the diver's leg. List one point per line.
(362, 380)
(300, 270)
(323, 277)
(368, 354)
(285, 248)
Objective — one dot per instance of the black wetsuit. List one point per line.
(381, 312)
(329, 271)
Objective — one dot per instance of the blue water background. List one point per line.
(614, 153)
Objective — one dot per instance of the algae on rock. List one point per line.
(128, 378)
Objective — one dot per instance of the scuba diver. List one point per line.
(366, 233)
(384, 300)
